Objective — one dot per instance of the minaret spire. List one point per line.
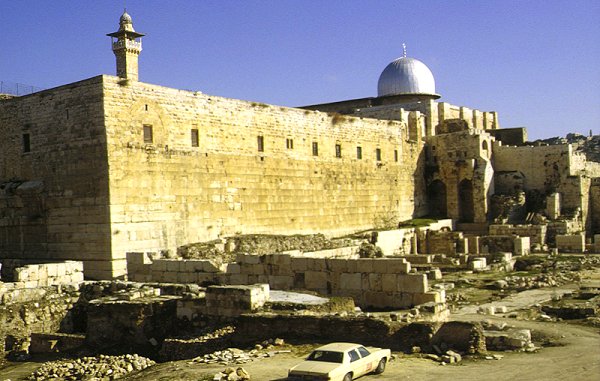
(127, 45)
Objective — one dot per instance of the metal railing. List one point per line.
(12, 88)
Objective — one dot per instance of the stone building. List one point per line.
(94, 169)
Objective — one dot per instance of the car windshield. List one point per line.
(326, 356)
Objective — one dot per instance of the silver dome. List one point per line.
(126, 23)
(406, 75)
(125, 18)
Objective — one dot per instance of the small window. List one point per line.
(315, 148)
(396, 155)
(261, 143)
(148, 138)
(289, 143)
(364, 352)
(359, 153)
(26, 143)
(146, 107)
(378, 154)
(353, 355)
(338, 150)
(194, 135)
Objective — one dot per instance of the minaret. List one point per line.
(127, 45)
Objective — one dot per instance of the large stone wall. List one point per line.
(86, 141)
(372, 282)
(537, 233)
(169, 193)
(54, 198)
(460, 164)
(553, 168)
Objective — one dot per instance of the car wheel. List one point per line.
(348, 377)
(381, 366)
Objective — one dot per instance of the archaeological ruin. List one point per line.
(140, 220)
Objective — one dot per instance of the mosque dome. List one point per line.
(406, 76)
(125, 18)
(126, 23)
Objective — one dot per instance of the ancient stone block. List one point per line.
(338, 265)
(389, 283)
(375, 282)
(299, 264)
(390, 265)
(412, 283)
(350, 281)
(315, 280)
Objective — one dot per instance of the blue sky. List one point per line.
(535, 62)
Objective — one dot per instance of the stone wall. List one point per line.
(378, 282)
(207, 167)
(48, 274)
(53, 177)
(536, 233)
(595, 205)
(499, 243)
(572, 243)
(554, 168)
(229, 301)
(462, 336)
(168, 193)
(460, 174)
(27, 310)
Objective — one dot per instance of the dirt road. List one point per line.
(577, 358)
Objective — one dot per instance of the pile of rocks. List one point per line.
(231, 374)
(238, 356)
(447, 357)
(521, 283)
(110, 367)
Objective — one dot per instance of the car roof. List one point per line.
(338, 347)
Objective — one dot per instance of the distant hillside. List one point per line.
(590, 145)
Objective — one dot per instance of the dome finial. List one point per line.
(403, 50)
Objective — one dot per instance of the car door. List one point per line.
(355, 363)
(366, 360)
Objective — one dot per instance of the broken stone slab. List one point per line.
(512, 339)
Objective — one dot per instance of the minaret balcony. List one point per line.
(127, 44)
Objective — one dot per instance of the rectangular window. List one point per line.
(315, 148)
(359, 153)
(26, 143)
(289, 143)
(195, 140)
(261, 143)
(396, 155)
(338, 150)
(148, 138)
(378, 154)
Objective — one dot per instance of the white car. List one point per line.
(340, 362)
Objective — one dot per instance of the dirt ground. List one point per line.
(576, 357)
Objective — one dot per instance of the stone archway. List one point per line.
(436, 196)
(466, 210)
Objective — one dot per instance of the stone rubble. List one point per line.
(238, 356)
(231, 374)
(101, 367)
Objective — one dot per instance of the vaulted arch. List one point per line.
(436, 196)
(466, 209)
